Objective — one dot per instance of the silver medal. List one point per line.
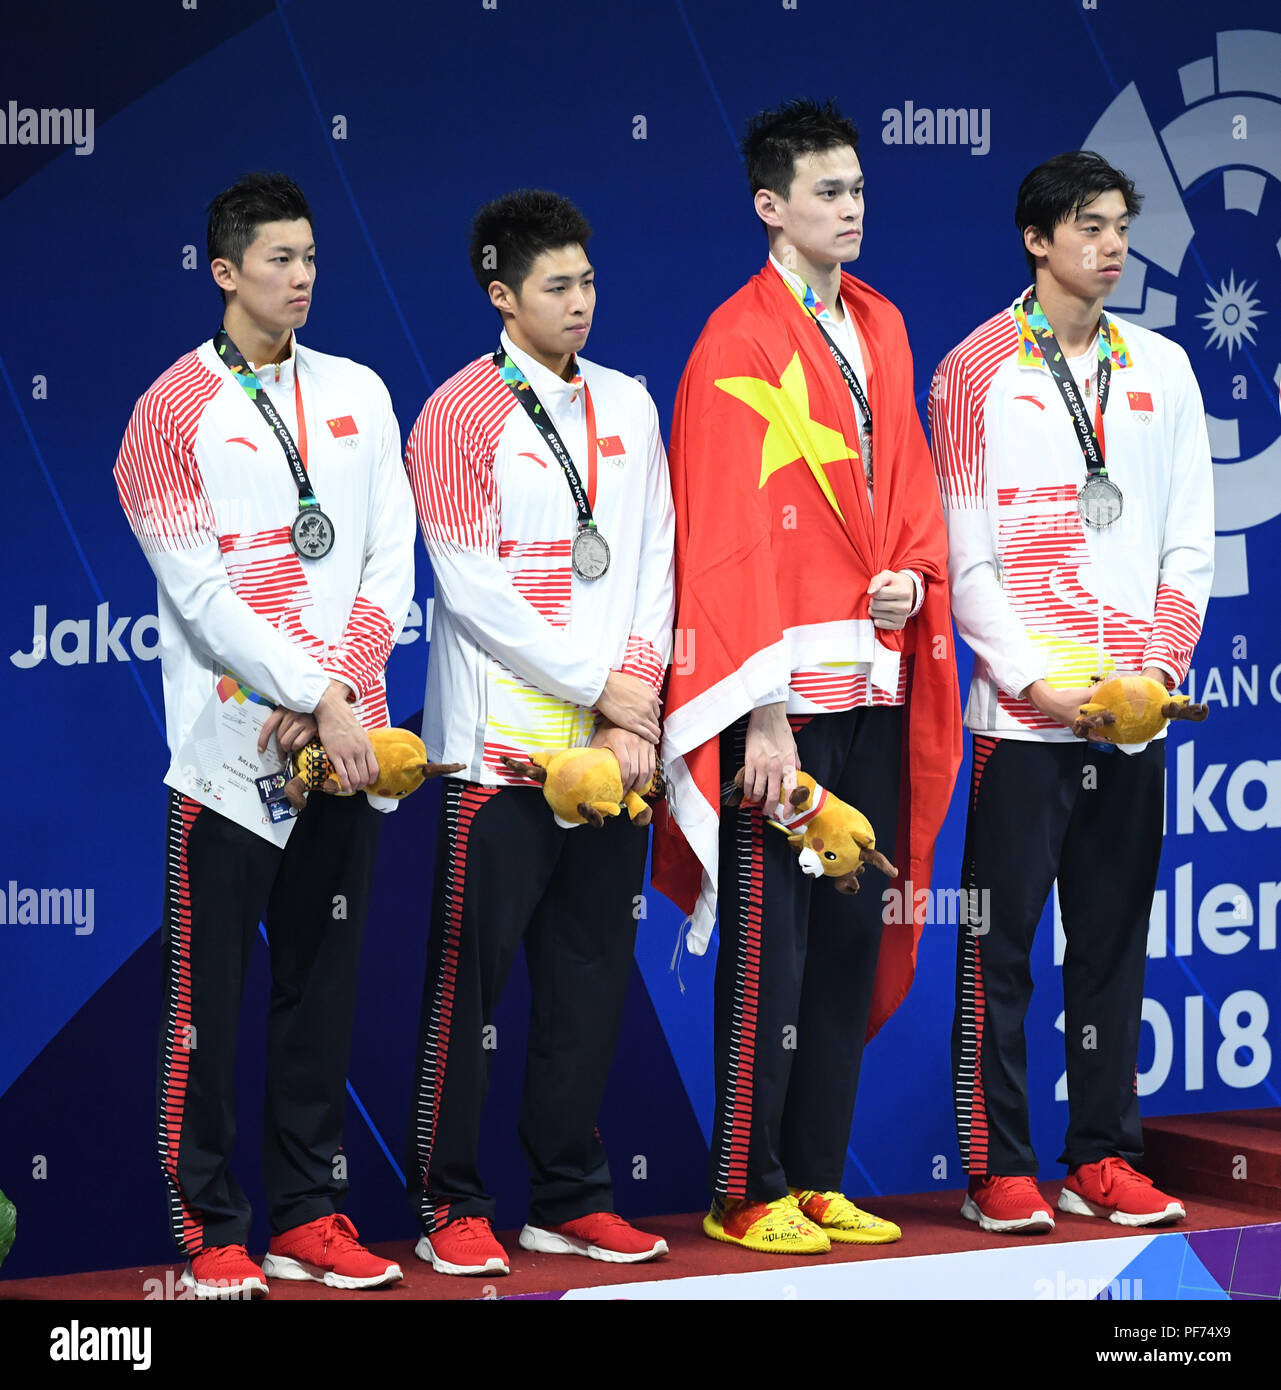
(312, 533)
(590, 554)
(1099, 502)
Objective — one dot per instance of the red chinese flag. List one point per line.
(1139, 400)
(342, 427)
(610, 446)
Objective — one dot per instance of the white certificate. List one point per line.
(219, 762)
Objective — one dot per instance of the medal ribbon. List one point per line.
(534, 408)
(803, 818)
(234, 359)
(1091, 440)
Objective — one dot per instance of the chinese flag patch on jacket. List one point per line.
(342, 427)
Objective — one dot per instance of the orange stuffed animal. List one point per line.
(402, 768)
(1132, 709)
(584, 785)
(831, 838)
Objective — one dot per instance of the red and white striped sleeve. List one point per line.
(158, 480)
(1176, 629)
(642, 661)
(157, 476)
(387, 572)
(450, 461)
(1187, 547)
(984, 616)
(957, 434)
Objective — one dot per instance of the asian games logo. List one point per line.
(1204, 264)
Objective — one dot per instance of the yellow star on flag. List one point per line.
(792, 434)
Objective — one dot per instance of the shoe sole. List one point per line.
(286, 1267)
(860, 1237)
(719, 1233)
(1077, 1205)
(425, 1252)
(546, 1242)
(247, 1289)
(1034, 1225)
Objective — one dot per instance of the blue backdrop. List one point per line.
(398, 120)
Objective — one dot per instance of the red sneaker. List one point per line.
(465, 1246)
(224, 1271)
(1007, 1204)
(1111, 1188)
(600, 1236)
(327, 1251)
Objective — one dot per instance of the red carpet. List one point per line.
(930, 1221)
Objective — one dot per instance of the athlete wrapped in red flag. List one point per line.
(812, 583)
(760, 568)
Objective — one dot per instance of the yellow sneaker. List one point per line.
(841, 1220)
(775, 1228)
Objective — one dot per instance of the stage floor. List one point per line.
(1223, 1250)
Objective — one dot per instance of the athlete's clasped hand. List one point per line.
(350, 752)
(629, 727)
(771, 759)
(293, 730)
(893, 594)
(630, 704)
(636, 756)
(1062, 706)
(346, 743)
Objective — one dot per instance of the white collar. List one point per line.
(790, 276)
(279, 373)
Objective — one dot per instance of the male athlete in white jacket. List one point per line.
(542, 490)
(1074, 463)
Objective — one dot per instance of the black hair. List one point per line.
(509, 234)
(1061, 187)
(237, 212)
(775, 140)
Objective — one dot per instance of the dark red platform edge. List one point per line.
(931, 1226)
(1234, 1155)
